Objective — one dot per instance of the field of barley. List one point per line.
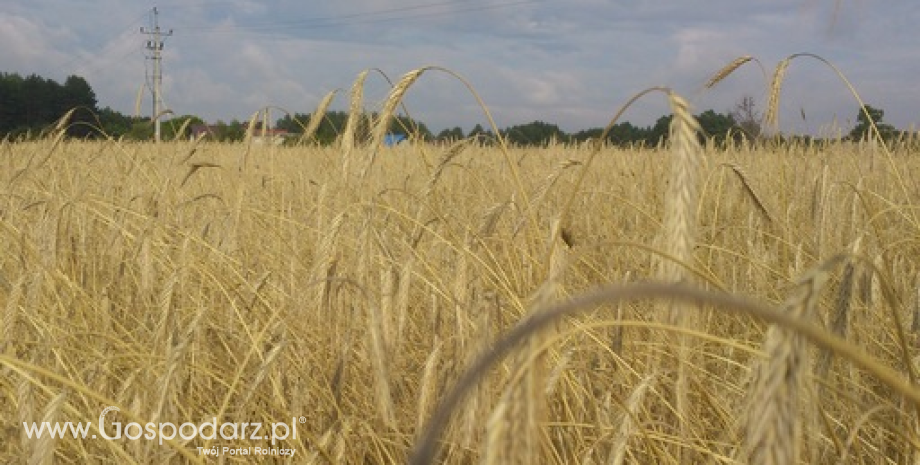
(465, 303)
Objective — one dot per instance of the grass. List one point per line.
(412, 303)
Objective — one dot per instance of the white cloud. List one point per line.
(571, 64)
(28, 45)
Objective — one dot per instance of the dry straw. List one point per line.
(776, 86)
(749, 190)
(425, 450)
(629, 422)
(771, 417)
(681, 199)
(43, 450)
(382, 125)
(355, 114)
(679, 240)
(10, 318)
(729, 69)
(26, 413)
(317, 117)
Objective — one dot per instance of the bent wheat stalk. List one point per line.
(731, 68)
(425, 449)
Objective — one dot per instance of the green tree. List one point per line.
(747, 118)
(586, 134)
(868, 114)
(716, 125)
(625, 134)
(534, 133)
(660, 132)
(12, 103)
(142, 129)
(38, 95)
(33, 103)
(406, 125)
(455, 133)
(477, 131)
(76, 94)
(114, 123)
(233, 132)
(171, 128)
(293, 124)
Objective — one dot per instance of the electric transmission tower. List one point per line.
(155, 46)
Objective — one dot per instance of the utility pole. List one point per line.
(155, 46)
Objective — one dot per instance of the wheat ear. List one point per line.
(749, 190)
(317, 117)
(776, 86)
(43, 452)
(681, 199)
(629, 423)
(382, 125)
(426, 448)
(355, 113)
(25, 400)
(728, 69)
(528, 395)
(771, 420)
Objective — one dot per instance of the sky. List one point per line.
(573, 63)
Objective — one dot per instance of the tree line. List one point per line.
(535, 133)
(30, 104)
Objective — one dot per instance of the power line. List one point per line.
(102, 47)
(376, 16)
(155, 46)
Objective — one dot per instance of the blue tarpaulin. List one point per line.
(393, 139)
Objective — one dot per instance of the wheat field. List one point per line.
(465, 303)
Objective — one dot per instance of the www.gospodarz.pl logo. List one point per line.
(208, 430)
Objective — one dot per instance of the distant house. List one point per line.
(269, 136)
(259, 136)
(204, 130)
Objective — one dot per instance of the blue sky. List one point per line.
(571, 63)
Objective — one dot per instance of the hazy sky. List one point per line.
(572, 63)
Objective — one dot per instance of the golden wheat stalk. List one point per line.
(274, 345)
(776, 87)
(749, 190)
(771, 419)
(497, 444)
(10, 318)
(681, 200)
(355, 114)
(381, 362)
(382, 125)
(25, 402)
(317, 117)
(680, 239)
(43, 452)
(727, 70)
(630, 421)
(528, 395)
(452, 152)
(427, 444)
(325, 259)
(428, 385)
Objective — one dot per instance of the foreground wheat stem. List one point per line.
(679, 238)
(426, 447)
(772, 414)
(24, 369)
